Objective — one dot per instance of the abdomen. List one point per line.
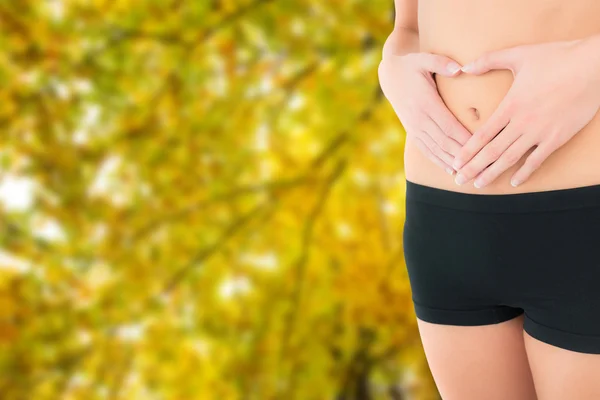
(465, 29)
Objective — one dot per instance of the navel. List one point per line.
(474, 112)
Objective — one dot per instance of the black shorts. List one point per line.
(477, 259)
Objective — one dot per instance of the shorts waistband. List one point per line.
(548, 200)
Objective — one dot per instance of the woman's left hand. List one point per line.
(555, 93)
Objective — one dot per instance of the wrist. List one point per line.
(590, 45)
(589, 49)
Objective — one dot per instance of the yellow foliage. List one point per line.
(201, 200)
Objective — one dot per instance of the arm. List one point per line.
(405, 36)
(406, 79)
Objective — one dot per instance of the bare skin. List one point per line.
(478, 362)
(498, 361)
(466, 29)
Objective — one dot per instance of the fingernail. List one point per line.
(515, 182)
(453, 67)
(450, 170)
(460, 179)
(467, 68)
(457, 163)
(478, 184)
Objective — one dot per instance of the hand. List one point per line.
(407, 82)
(555, 93)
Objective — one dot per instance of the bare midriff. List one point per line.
(465, 29)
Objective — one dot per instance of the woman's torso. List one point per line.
(465, 29)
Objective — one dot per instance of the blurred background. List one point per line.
(202, 200)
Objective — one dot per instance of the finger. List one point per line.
(439, 136)
(435, 159)
(438, 64)
(509, 158)
(448, 123)
(490, 153)
(436, 149)
(484, 134)
(500, 59)
(534, 161)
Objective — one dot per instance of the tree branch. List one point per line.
(383, 223)
(207, 252)
(226, 196)
(229, 19)
(302, 259)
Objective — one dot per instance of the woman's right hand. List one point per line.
(408, 84)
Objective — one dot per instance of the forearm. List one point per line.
(593, 45)
(401, 41)
(590, 56)
(593, 42)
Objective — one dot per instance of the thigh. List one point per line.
(561, 301)
(560, 373)
(478, 362)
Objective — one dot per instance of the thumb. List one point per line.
(499, 59)
(439, 64)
